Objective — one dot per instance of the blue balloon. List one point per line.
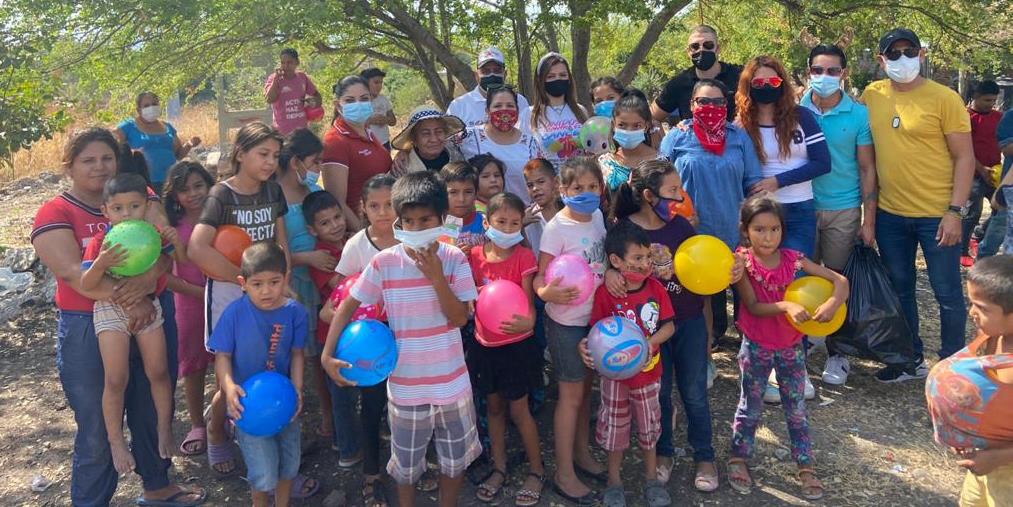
(369, 347)
(618, 347)
(269, 404)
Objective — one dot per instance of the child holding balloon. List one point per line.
(506, 363)
(125, 199)
(771, 341)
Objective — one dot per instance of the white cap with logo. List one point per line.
(490, 54)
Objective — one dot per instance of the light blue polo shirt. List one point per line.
(846, 127)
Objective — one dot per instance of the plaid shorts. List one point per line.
(619, 406)
(451, 427)
(110, 317)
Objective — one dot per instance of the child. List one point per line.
(769, 341)
(491, 173)
(326, 223)
(631, 124)
(383, 111)
(578, 229)
(646, 302)
(125, 197)
(506, 374)
(981, 373)
(1002, 202)
(461, 182)
(425, 287)
(186, 189)
(263, 331)
(604, 93)
(543, 190)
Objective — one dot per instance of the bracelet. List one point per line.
(954, 213)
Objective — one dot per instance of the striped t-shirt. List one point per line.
(808, 158)
(430, 365)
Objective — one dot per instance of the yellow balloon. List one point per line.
(811, 292)
(704, 265)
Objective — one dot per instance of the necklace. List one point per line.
(557, 109)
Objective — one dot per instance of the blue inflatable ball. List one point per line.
(369, 347)
(618, 347)
(269, 404)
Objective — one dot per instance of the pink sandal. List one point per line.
(195, 435)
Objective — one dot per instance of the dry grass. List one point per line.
(45, 155)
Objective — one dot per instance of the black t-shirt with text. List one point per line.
(257, 213)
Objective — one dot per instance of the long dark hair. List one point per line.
(341, 86)
(81, 139)
(175, 180)
(300, 144)
(630, 195)
(249, 137)
(762, 203)
(542, 97)
(634, 101)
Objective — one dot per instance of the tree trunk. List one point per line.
(445, 32)
(522, 43)
(551, 34)
(580, 36)
(423, 37)
(649, 38)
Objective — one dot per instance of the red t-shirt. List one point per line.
(365, 157)
(521, 263)
(650, 307)
(94, 247)
(983, 135)
(320, 277)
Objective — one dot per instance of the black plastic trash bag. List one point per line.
(875, 327)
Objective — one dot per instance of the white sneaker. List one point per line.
(810, 391)
(921, 369)
(771, 394)
(835, 372)
(712, 373)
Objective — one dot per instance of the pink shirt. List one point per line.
(288, 110)
(187, 271)
(769, 285)
(430, 366)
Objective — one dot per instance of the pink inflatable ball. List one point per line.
(574, 272)
(618, 347)
(340, 292)
(498, 302)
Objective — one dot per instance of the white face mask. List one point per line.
(418, 240)
(503, 239)
(150, 113)
(903, 69)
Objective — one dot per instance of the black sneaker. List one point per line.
(894, 374)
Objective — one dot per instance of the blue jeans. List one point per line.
(995, 233)
(800, 226)
(346, 421)
(979, 192)
(270, 459)
(93, 478)
(898, 239)
(684, 358)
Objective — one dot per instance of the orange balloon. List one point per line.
(231, 241)
(811, 292)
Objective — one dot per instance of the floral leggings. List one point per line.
(755, 362)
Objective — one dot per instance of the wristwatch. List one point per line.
(960, 211)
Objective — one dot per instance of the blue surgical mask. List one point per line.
(604, 108)
(312, 180)
(503, 239)
(628, 139)
(356, 112)
(418, 240)
(584, 203)
(825, 85)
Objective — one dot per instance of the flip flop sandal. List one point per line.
(428, 482)
(527, 497)
(588, 500)
(195, 435)
(614, 496)
(600, 477)
(486, 492)
(812, 489)
(220, 454)
(299, 490)
(733, 481)
(373, 494)
(173, 500)
(655, 494)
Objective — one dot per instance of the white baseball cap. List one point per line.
(490, 54)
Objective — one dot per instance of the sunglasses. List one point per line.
(894, 54)
(760, 82)
(708, 45)
(816, 70)
(710, 101)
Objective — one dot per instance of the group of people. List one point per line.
(496, 189)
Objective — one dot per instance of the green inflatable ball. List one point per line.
(141, 242)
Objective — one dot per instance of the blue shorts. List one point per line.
(270, 459)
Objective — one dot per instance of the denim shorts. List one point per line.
(270, 459)
(563, 341)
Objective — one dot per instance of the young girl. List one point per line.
(186, 188)
(631, 124)
(605, 91)
(769, 341)
(578, 229)
(490, 179)
(507, 373)
(555, 115)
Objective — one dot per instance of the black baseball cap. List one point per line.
(895, 35)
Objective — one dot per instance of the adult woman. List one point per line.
(351, 154)
(555, 115)
(156, 139)
(500, 138)
(631, 125)
(62, 226)
(423, 145)
(789, 143)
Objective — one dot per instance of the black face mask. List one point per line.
(557, 88)
(704, 59)
(490, 81)
(766, 95)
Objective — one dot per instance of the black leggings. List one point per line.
(374, 399)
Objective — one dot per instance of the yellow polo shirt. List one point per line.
(912, 160)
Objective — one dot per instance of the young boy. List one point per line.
(970, 394)
(543, 190)
(425, 287)
(263, 330)
(461, 181)
(383, 111)
(326, 223)
(647, 303)
(125, 197)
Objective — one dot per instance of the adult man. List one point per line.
(984, 125)
(290, 93)
(703, 49)
(490, 70)
(846, 197)
(924, 162)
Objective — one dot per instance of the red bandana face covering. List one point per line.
(709, 127)
(503, 120)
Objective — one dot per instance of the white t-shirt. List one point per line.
(470, 108)
(775, 165)
(513, 156)
(586, 239)
(558, 134)
(356, 254)
(381, 105)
